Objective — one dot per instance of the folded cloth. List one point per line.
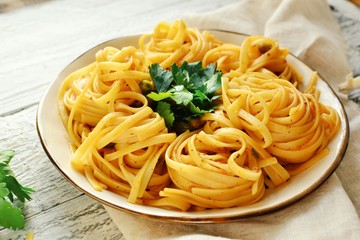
(325, 214)
(308, 29)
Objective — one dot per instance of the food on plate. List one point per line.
(188, 122)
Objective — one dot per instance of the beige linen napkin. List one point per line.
(310, 31)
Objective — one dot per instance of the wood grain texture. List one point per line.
(349, 23)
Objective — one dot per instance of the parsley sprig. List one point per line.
(10, 215)
(183, 94)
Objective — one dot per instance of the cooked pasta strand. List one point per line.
(264, 129)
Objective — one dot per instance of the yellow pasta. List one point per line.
(256, 54)
(176, 43)
(263, 131)
(292, 125)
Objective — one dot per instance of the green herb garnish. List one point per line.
(183, 94)
(10, 215)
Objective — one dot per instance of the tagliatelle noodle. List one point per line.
(176, 43)
(263, 131)
(214, 170)
(104, 109)
(259, 52)
(299, 126)
(226, 57)
(274, 173)
(256, 54)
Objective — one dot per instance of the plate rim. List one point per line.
(203, 220)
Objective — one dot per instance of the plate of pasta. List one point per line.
(192, 126)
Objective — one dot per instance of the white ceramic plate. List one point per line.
(53, 137)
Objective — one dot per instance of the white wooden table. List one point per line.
(36, 42)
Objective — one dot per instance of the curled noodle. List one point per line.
(292, 125)
(176, 43)
(264, 130)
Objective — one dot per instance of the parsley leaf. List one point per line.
(3, 190)
(162, 79)
(159, 96)
(188, 91)
(10, 216)
(181, 95)
(164, 111)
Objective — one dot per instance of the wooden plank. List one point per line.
(81, 218)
